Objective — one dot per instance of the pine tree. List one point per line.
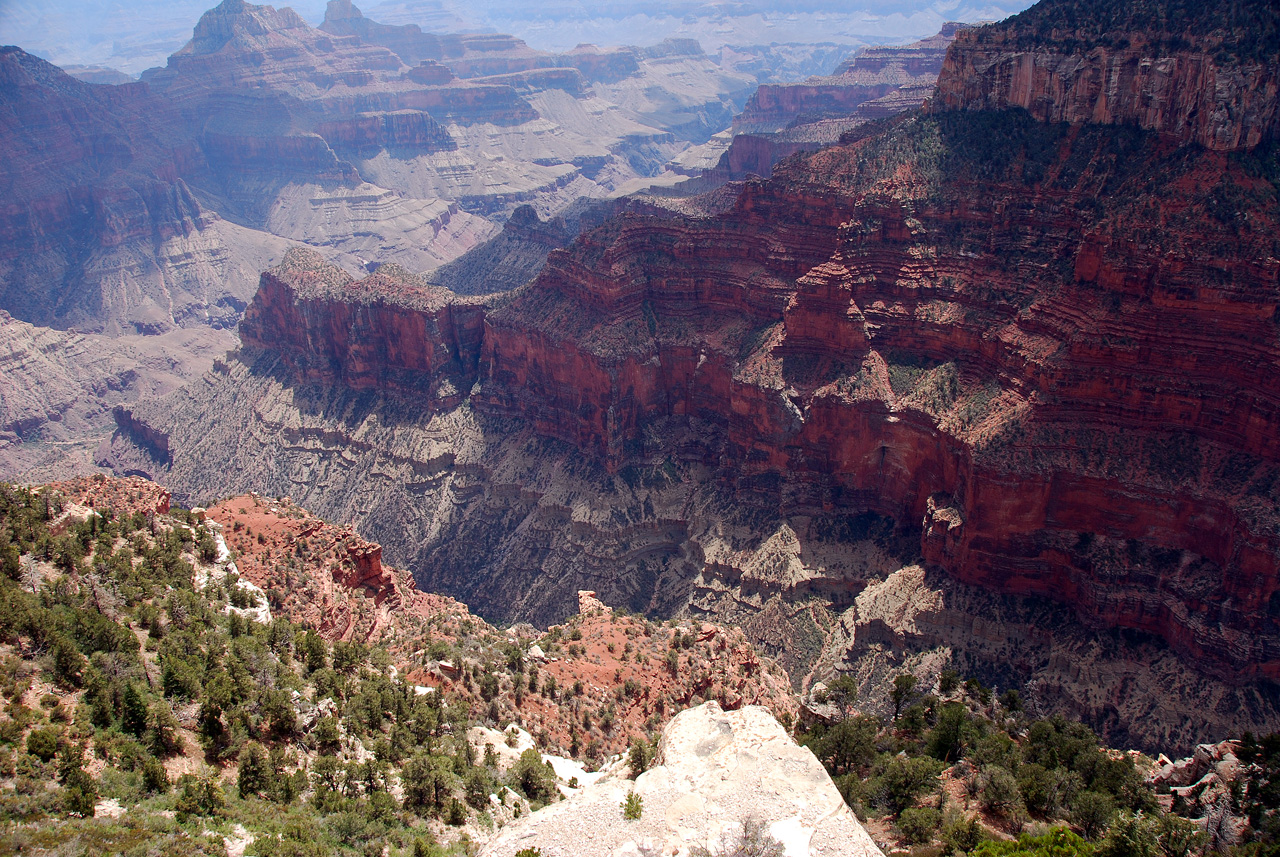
(133, 711)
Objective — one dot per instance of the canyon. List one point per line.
(154, 204)
(143, 208)
(782, 119)
(983, 385)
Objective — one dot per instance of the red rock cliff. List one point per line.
(1074, 407)
(1208, 76)
(389, 331)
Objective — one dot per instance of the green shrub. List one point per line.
(903, 780)
(1058, 842)
(532, 778)
(640, 757)
(1092, 812)
(999, 794)
(201, 796)
(43, 743)
(848, 746)
(960, 833)
(754, 841)
(154, 777)
(919, 824)
(429, 783)
(632, 806)
(80, 794)
(952, 734)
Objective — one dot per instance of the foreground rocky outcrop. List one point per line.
(336, 583)
(971, 341)
(716, 773)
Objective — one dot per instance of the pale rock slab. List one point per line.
(716, 769)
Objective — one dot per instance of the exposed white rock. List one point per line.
(716, 771)
(507, 744)
(224, 565)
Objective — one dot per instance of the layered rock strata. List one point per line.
(58, 388)
(99, 228)
(995, 344)
(1199, 75)
(781, 120)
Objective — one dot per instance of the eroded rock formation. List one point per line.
(323, 575)
(1205, 75)
(99, 228)
(58, 388)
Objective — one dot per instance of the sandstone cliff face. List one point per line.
(783, 119)
(997, 344)
(1196, 79)
(389, 331)
(825, 387)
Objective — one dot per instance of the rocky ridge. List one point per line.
(321, 575)
(784, 119)
(1197, 74)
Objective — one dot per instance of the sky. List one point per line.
(132, 36)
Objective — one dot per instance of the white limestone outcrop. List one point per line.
(716, 771)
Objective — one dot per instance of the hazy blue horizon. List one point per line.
(131, 37)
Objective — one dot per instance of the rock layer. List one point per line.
(99, 229)
(57, 389)
(1208, 76)
(869, 75)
